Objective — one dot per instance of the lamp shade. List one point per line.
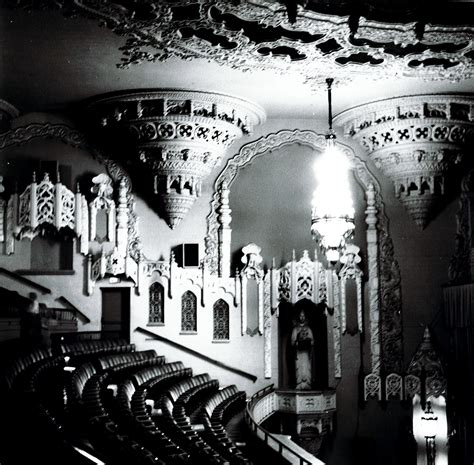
(332, 219)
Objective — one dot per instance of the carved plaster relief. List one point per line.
(461, 268)
(3, 205)
(416, 141)
(179, 135)
(350, 270)
(252, 270)
(256, 34)
(384, 274)
(426, 364)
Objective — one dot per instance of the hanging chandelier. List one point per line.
(332, 219)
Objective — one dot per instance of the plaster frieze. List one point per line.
(461, 266)
(416, 141)
(426, 364)
(256, 34)
(180, 135)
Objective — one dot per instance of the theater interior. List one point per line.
(237, 232)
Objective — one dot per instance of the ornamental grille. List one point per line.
(157, 314)
(188, 312)
(221, 320)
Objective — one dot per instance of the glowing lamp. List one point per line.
(332, 219)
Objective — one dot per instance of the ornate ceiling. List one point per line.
(257, 34)
(275, 53)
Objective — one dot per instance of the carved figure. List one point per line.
(102, 186)
(302, 340)
(252, 259)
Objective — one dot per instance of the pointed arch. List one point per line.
(189, 312)
(156, 309)
(221, 326)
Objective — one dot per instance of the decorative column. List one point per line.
(416, 141)
(373, 269)
(461, 268)
(336, 304)
(459, 318)
(33, 202)
(252, 270)
(122, 219)
(2, 211)
(225, 231)
(267, 325)
(350, 271)
(103, 201)
(12, 223)
(177, 135)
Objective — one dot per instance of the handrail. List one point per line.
(254, 426)
(196, 354)
(26, 281)
(73, 308)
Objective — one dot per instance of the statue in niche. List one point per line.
(302, 340)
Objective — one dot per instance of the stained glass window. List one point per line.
(188, 312)
(221, 320)
(156, 310)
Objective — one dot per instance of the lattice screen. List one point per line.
(221, 320)
(188, 312)
(156, 310)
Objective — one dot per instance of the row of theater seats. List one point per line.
(120, 405)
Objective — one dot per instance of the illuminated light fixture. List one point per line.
(332, 219)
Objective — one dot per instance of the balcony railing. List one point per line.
(260, 406)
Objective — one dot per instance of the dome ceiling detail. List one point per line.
(249, 35)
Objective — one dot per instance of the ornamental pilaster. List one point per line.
(417, 141)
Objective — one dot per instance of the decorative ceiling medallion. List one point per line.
(415, 141)
(180, 135)
(256, 34)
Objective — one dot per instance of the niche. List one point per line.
(317, 322)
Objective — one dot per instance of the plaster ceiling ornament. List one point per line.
(179, 135)
(257, 34)
(416, 141)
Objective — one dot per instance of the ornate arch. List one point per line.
(221, 324)
(385, 302)
(188, 312)
(156, 306)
